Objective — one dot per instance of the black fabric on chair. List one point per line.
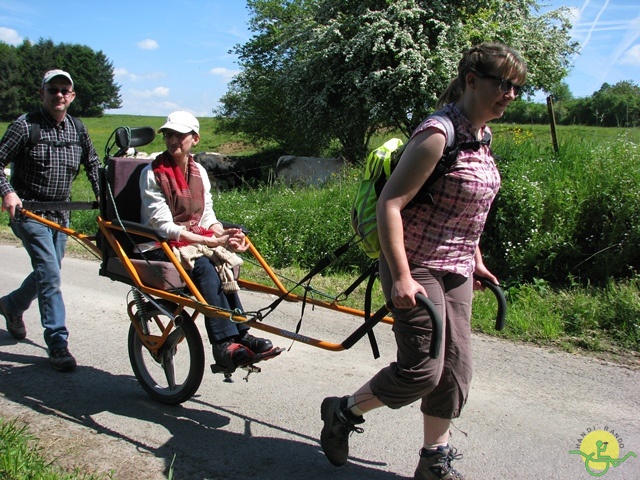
(122, 202)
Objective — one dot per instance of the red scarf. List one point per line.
(184, 197)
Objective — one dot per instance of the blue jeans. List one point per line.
(206, 278)
(46, 247)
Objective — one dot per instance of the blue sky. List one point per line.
(175, 55)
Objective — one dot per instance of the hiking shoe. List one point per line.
(256, 345)
(62, 360)
(338, 425)
(15, 324)
(230, 355)
(436, 464)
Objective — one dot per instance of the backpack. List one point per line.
(380, 164)
(34, 119)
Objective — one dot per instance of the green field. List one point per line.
(100, 130)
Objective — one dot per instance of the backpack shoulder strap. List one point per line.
(486, 138)
(82, 132)
(33, 123)
(451, 149)
(445, 120)
(80, 128)
(449, 155)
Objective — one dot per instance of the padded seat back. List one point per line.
(123, 176)
(121, 201)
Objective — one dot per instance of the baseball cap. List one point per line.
(55, 73)
(182, 122)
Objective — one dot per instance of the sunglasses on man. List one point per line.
(56, 91)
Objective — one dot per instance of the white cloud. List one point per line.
(10, 36)
(631, 56)
(148, 44)
(225, 73)
(123, 73)
(574, 14)
(156, 92)
(154, 75)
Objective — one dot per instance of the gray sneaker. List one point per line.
(62, 360)
(15, 324)
(338, 425)
(436, 464)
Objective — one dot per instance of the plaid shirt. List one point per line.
(44, 172)
(444, 236)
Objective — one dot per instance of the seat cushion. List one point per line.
(153, 273)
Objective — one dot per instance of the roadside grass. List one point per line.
(21, 458)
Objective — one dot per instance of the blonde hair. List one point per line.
(484, 58)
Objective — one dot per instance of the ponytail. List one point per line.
(451, 94)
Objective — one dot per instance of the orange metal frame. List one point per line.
(196, 301)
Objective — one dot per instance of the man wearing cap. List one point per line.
(176, 198)
(43, 170)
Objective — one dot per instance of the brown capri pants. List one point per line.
(442, 384)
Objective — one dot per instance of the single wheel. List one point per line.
(174, 372)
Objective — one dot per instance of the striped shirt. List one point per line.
(444, 236)
(45, 171)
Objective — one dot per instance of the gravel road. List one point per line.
(528, 406)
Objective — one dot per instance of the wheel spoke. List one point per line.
(169, 368)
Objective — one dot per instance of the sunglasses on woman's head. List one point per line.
(505, 85)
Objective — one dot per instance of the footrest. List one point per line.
(248, 365)
(259, 357)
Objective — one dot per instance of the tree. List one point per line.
(370, 65)
(561, 93)
(258, 102)
(91, 71)
(9, 82)
(318, 70)
(93, 77)
(34, 62)
(522, 111)
(617, 105)
(579, 112)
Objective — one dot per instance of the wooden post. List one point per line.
(552, 123)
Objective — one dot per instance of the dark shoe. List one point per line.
(436, 464)
(256, 345)
(15, 324)
(230, 355)
(62, 360)
(338, 425)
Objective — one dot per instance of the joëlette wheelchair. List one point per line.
(165, 346)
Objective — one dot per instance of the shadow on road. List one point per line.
(201, 447)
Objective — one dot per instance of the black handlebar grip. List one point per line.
(502, 301)
(436, 325)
